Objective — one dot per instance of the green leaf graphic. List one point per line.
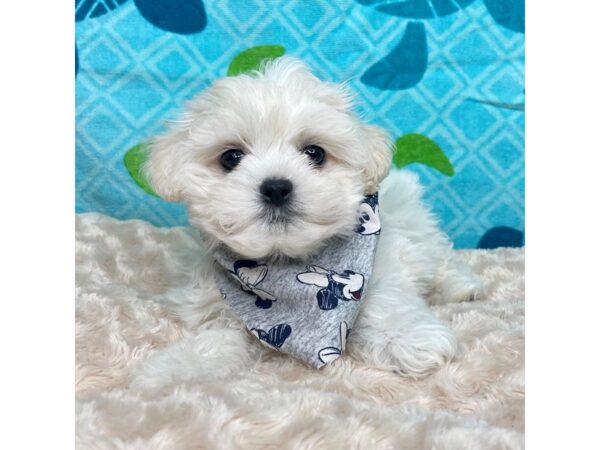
(134, 159)
(416, 148)
(251, 58)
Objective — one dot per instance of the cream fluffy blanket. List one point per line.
(162, 364)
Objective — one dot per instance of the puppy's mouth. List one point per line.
(278, 216)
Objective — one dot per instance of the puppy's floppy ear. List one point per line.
(163, 168)
(378, 146)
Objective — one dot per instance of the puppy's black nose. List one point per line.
(276, 191)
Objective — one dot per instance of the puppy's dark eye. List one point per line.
(315, 153)
(231, 158)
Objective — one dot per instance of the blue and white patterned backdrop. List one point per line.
(445, 77)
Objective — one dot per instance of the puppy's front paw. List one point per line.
(455, 288)
(415, 353)
(423, 351)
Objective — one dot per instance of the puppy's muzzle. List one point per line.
(276, 191)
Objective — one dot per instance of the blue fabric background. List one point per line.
(452, 70)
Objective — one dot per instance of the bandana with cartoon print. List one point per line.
(305, 310)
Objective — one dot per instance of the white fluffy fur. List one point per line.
(272, 115)
(162, 363)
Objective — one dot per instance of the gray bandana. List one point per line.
(304, 310)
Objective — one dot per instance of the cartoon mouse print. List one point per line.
(368, 215)
(250, 274)
(328, 354)
(345, 286)
(276, 335)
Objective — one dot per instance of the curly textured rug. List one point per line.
(162, 364)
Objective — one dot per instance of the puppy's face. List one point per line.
(272, 164)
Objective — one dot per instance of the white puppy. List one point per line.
(283, 135)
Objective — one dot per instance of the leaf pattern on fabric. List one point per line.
(405, 65)
(501, 105)
(134, 159)
(251, 59)
(508, 13)
(416, 148)
(423, 9)
(176, 16)
(501, 237)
